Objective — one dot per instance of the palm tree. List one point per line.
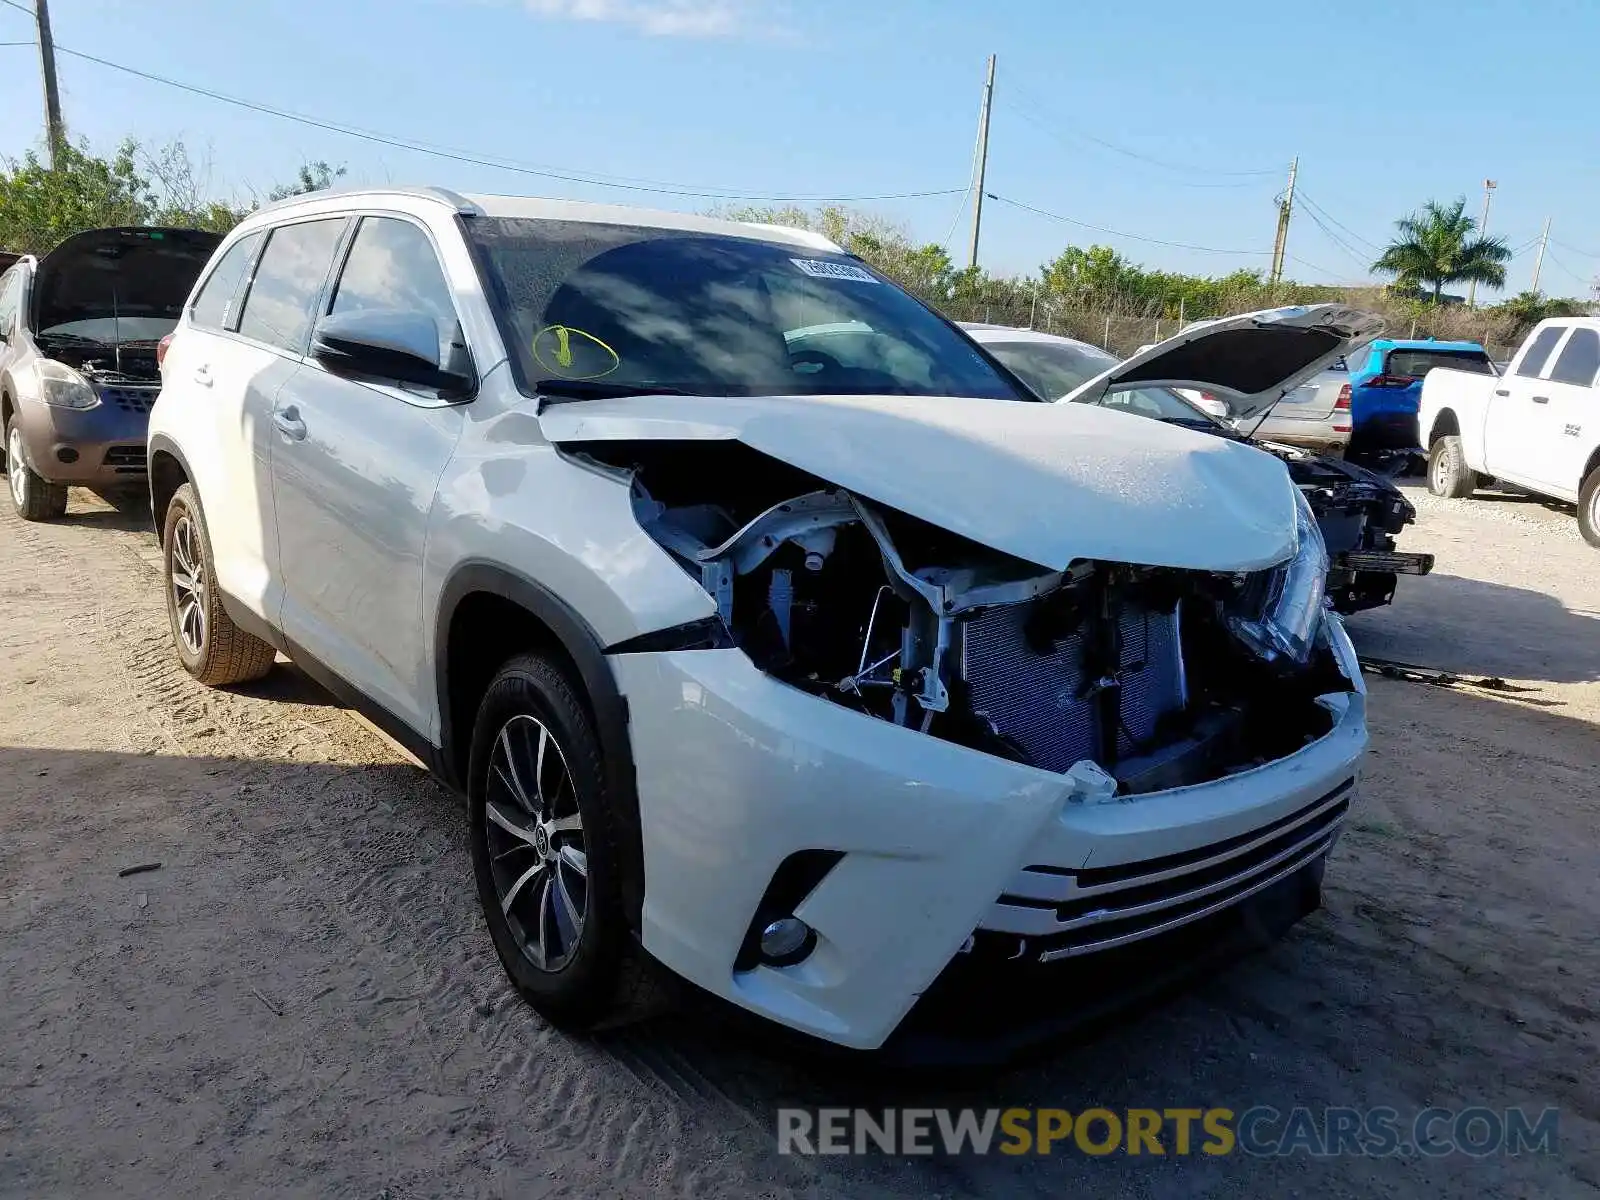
(1436, 246)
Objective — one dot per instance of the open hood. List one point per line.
(1247, 362)
(1046, 483)
(102, 273)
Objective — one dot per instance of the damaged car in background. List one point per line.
(776, 633)
(1246, 364)
(80, 331)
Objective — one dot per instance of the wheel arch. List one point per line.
(486, 614)
(1445, 424)
(1590, 467)
(169, 470)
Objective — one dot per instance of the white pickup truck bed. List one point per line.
(1536, 427)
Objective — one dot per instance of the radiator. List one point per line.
(1038, 701)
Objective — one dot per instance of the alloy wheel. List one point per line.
(534, 832)
(15, 467)
(189, 585)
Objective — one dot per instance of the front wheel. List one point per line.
(1589, 508)
(545, 847)
(34, 497)
(1448, 473)
(210, 646)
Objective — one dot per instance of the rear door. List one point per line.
(1516, 430)
(1569, 413)
(355, 468)
(236, 352)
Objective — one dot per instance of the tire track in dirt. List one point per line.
(393, 877)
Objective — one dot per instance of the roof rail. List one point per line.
(443, 195)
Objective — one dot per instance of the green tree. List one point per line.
(1436, 246)
(40, 205)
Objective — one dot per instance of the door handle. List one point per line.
(1541, 399)
(1502, 392)
(202, 375)
(289, 423)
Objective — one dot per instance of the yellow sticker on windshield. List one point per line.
(569, 353)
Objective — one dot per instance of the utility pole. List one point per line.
(1538, 259)
(983, 164)
(1285, 210)
(53, 130)
(1483, 231)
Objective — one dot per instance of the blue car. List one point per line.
(1386, 388)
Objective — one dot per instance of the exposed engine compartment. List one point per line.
(129, 363)
(1128, 677)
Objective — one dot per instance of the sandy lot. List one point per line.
(302, 999)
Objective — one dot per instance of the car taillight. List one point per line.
(161, 350)
(1391, 381)
(1344, 398)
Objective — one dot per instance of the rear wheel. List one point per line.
(1448, 473)
(210, 646)
(1589, 508)
(545, 848)
(34, 498)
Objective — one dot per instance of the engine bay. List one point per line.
(1132, 677)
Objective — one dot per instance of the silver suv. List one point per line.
(776, 634)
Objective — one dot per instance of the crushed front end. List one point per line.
(928, 757)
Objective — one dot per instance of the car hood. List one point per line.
(1247, 362)
(133, 272)
(1046, 483)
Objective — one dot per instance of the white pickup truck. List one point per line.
(1536, 427)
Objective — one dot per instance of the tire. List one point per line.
(1589, 508)
(34, 498)
(579, 974)
(1448, 474)
(210, 646)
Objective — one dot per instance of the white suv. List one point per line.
(828, 671)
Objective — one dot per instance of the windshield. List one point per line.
(640, 309)
(1054, 369)
(1414, 364)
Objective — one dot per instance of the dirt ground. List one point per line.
(302, 1000)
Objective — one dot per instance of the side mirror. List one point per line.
(388, 344)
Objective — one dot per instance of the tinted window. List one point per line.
(710, 314)
(1414, 364)
(282, 300)
(392, 266)
(1580, 359)
(214, 308)
(1053, 369)
(1533, 361)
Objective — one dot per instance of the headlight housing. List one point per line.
(1287, 624)
(62, 387)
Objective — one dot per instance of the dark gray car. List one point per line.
(79, 333)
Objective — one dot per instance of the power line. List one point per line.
(1337, 223)
(19, 43)
(1570, 248)
(1134, 154)
(1038, 123)
(1564, 268)
(624, 183)
(22, 8)
(1335, 238)
(1116, 232)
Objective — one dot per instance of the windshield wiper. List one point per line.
(69, 339)
(598, 389)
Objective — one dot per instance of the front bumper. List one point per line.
(736, 772)
(91, 447)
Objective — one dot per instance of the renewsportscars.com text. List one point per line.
(1261, 1130)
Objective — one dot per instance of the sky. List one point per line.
(1159, 121)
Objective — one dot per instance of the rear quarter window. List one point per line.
(214, 306)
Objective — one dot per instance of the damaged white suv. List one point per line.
(774, 632)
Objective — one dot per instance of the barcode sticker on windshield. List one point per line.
(818, 269)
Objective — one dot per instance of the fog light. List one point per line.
(786, 941)
(67, 454)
